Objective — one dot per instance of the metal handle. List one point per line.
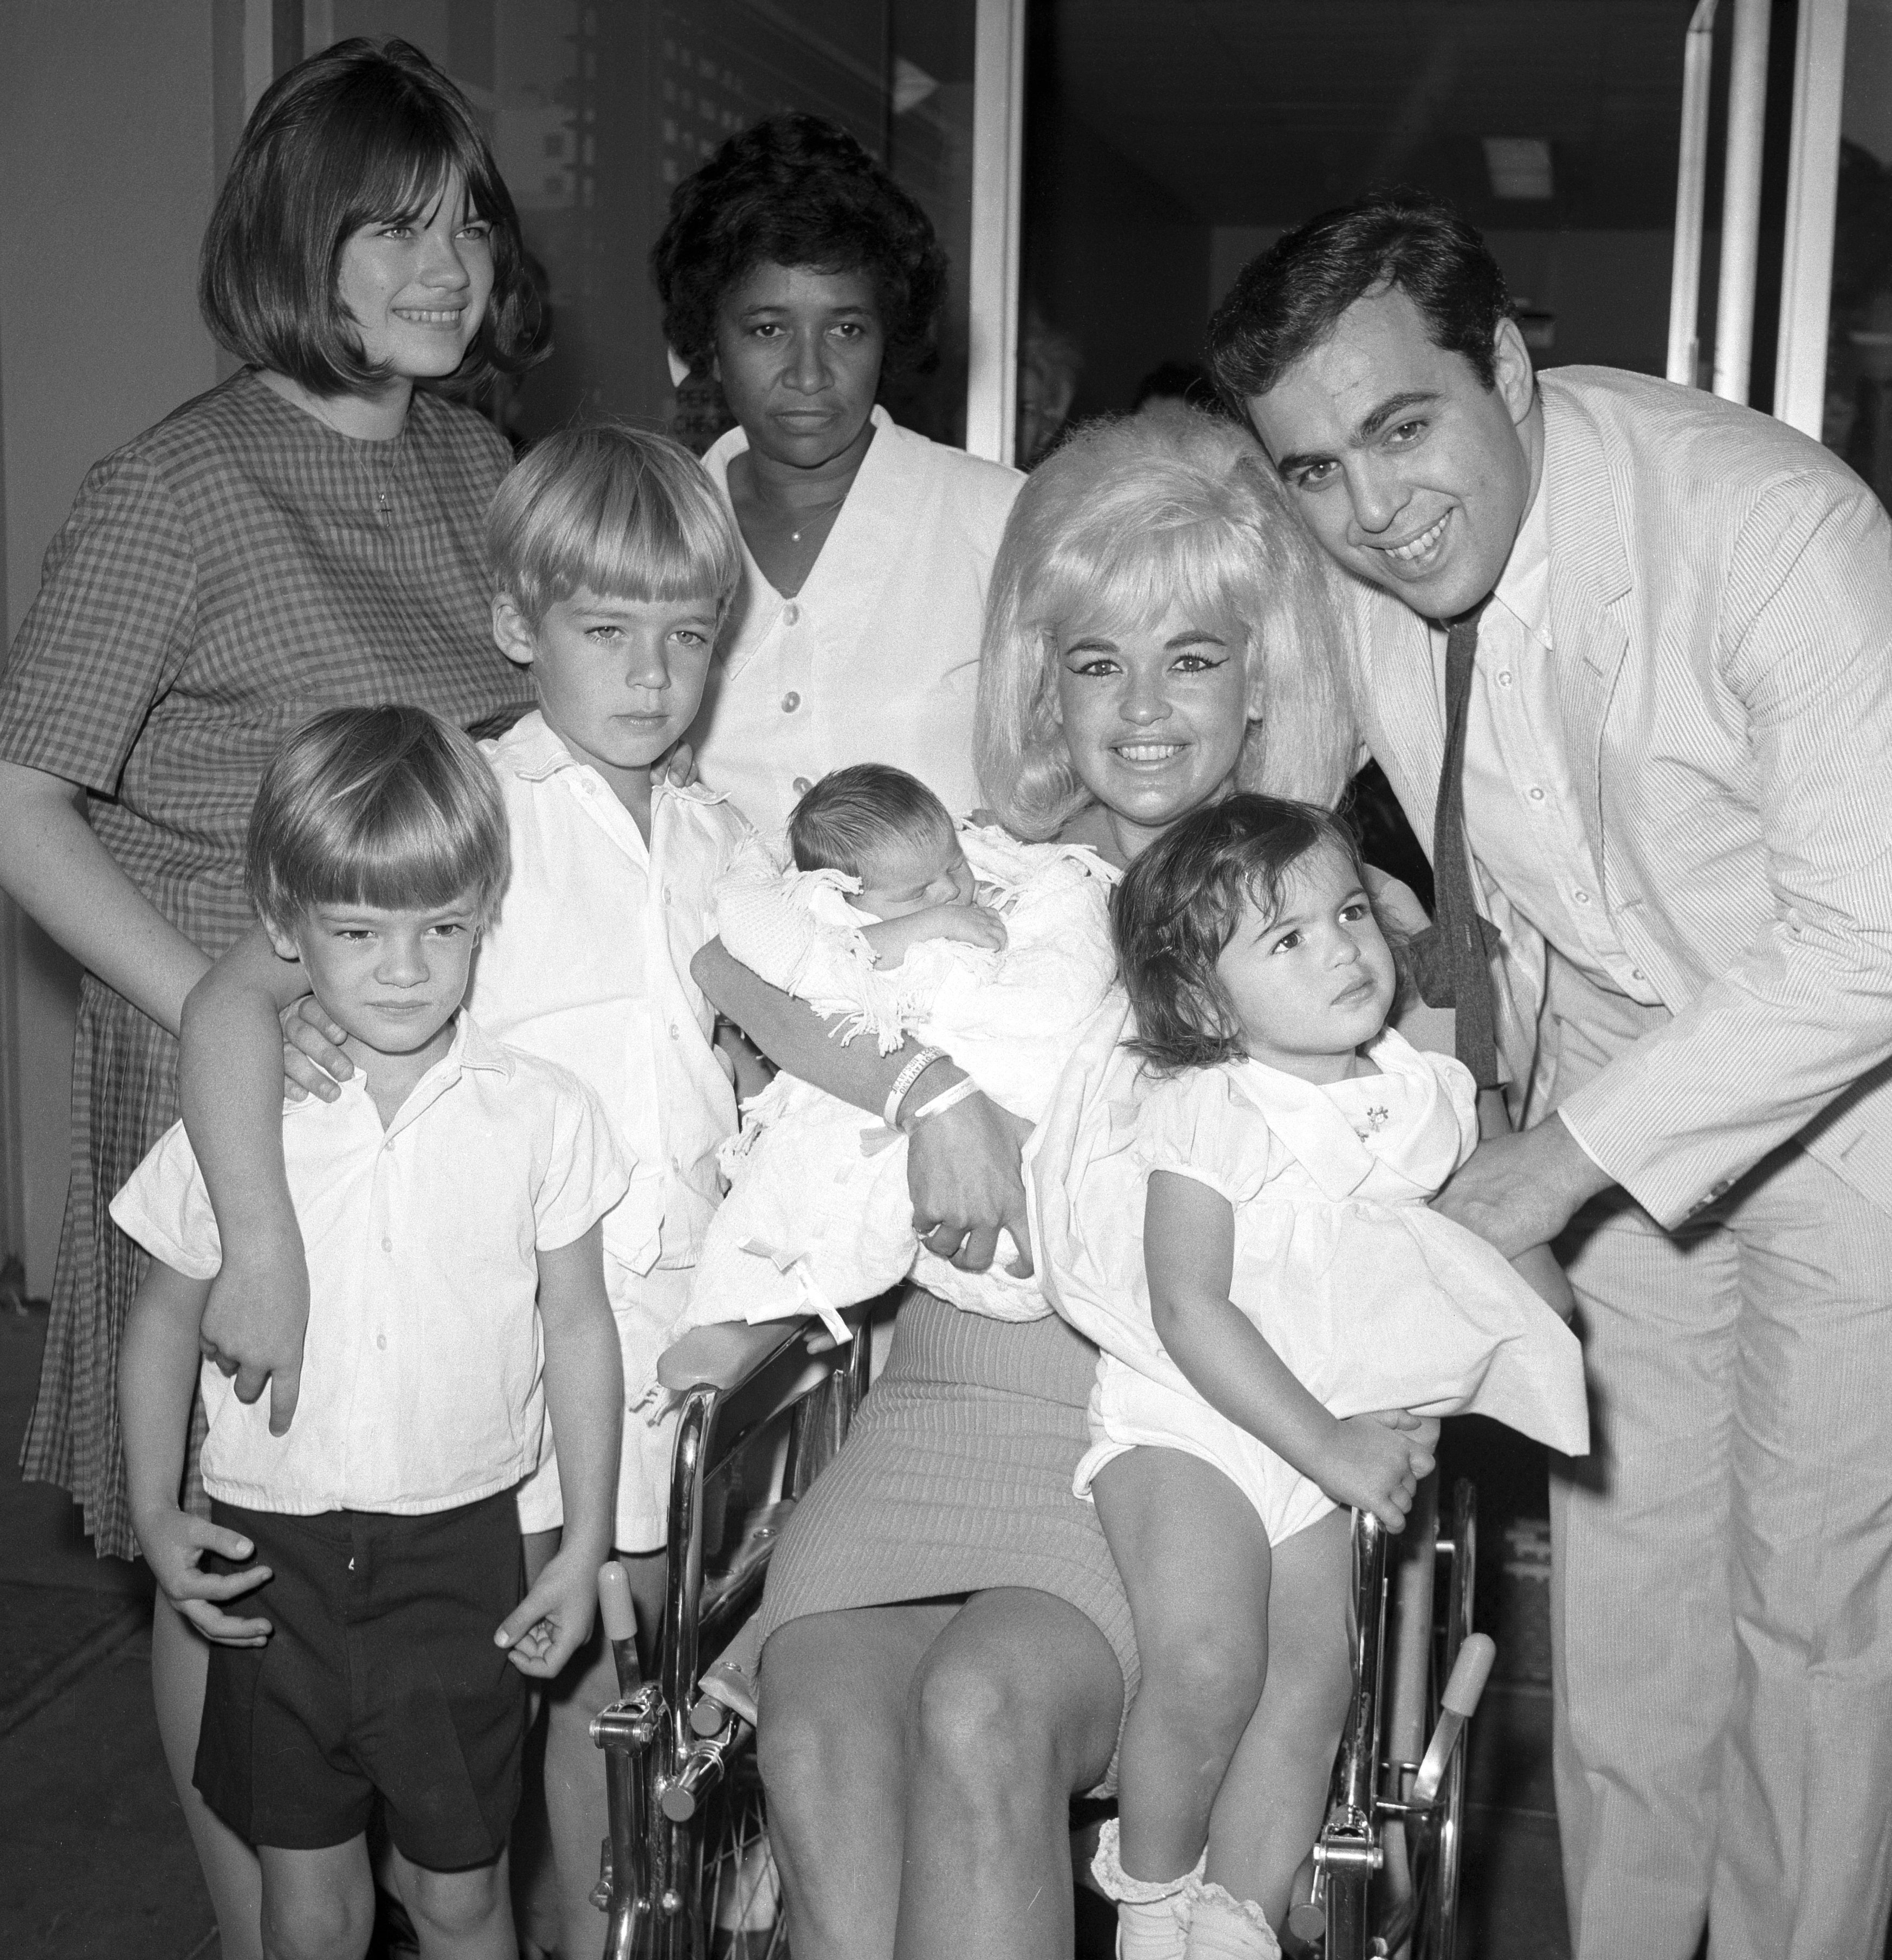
(1469, 1674)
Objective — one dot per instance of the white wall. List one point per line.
(1609, 290)
(110, 124)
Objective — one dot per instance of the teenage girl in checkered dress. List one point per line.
(307, 535)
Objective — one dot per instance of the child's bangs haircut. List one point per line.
(1128, 519)
(852, 817)
(357, 135)
(1178, 906)
(615, 510)
(391, 807)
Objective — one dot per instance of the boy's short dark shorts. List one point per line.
(379, 1683)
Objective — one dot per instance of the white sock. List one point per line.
(1150, 1912)
(1223, 1927)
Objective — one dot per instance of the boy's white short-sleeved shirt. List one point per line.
(422, 1367)
(588, 965)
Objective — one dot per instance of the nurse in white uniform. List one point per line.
(795, 270)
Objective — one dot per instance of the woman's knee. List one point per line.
(814, 1740)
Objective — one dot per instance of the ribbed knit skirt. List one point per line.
(956, 1477)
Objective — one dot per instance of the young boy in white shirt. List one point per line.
(613, 561)
(365, 1571)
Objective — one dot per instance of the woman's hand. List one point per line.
(1374, 1463)
(313, 1061)
(174, 1544)
(964, 1178)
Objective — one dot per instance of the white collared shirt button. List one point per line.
(790, 701)
(1582, 897)
(791, 613)
(1537, 794)
(803, 786)
(387, 1244)
(381, 1341)
(1636, 973)
(674, 1035)
(1504, 676)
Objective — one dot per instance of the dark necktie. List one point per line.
(1462, 933)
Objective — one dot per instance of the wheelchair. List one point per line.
(686, 1871)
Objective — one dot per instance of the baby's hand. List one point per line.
(972, 925)
(553, 1621)
(174, 1544)
(1374, 1463)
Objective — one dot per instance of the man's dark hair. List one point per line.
(356, 134)
(797, 190)
(1287, 301)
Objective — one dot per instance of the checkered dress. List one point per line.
(228, 573)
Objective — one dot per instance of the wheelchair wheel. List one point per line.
(742, 1917)
(1437, 1847)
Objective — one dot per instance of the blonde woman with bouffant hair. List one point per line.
(1127, 520)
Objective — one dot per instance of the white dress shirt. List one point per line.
(422, 1367)
(1523, 824)
(877, 658)
(588, 964)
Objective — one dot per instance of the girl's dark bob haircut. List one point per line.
(357, 135)
(797, 190)
(1179, 904)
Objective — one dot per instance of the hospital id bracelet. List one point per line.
(946, 1099)
(905, 1079)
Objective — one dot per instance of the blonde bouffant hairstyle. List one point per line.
(1128, 518)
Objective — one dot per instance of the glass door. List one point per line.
(1835, 378)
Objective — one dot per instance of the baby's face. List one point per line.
(907, 878)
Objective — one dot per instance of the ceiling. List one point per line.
(1257, 112)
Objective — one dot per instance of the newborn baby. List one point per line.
(901, 922)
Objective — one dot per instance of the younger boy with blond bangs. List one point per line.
(613, 561)
(360, 1578)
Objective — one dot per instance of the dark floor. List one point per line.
(97, 1866)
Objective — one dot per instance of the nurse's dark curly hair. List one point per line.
(797, 190)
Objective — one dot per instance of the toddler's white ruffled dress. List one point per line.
(1373, 1300)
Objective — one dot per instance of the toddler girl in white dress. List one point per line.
(1230, 1197)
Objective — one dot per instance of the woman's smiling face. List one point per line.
(1154, 716)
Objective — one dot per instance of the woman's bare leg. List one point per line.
(1269, 1810)
(1016, 1706)
(834, 1692)
(1195, 1562)
(180, 1666)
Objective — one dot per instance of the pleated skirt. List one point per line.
(956, 1477)
(124, 1098)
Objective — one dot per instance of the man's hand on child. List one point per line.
(1539, 1269)
(313, 1061)
(174, 1544)
(255, 1320)
(1374, 1462)
(553, 1621)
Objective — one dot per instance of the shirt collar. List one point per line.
(532, 751)
(471, 1047)
(1524, 590)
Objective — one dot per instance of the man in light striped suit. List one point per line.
(1671, 623)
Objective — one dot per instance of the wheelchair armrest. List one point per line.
(727, 1355)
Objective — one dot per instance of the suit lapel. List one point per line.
(1590, 582)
